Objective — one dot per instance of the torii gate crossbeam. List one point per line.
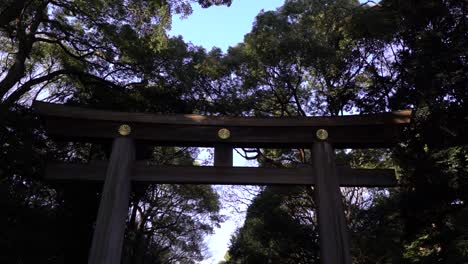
(320, 134)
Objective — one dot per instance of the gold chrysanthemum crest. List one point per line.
(322, 134)
(125, 130)
(224, 133)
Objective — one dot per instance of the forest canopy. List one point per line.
(307, 58)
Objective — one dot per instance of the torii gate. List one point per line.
(321, 134)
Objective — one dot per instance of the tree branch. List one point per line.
(26, 41)
(26, 87)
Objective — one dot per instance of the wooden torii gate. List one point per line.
(321, 134)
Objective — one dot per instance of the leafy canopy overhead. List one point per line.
(49, 44)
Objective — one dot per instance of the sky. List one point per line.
(222, 27)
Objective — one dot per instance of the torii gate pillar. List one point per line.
(333, 230)
(113, 209)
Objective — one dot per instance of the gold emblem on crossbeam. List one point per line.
(125, 130)
(322, 134)
(224, 133)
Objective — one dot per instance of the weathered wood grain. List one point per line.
(110, 225)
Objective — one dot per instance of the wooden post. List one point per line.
(223, 155)
(113, 209)
(333, 231)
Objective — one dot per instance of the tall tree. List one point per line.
(420, 50)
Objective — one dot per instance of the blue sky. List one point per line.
(221, 27)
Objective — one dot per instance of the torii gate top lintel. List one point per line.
(352, 131)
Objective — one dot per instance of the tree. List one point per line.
(420, 63)
(169, 222)
(293, 55)
(279, 228)
(46, 44)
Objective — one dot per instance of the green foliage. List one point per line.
(112, 43)
(169, 221)
(376, 230)
(293, 54)
(427, 68)
(278, 229)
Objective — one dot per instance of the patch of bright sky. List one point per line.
(221, 26)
